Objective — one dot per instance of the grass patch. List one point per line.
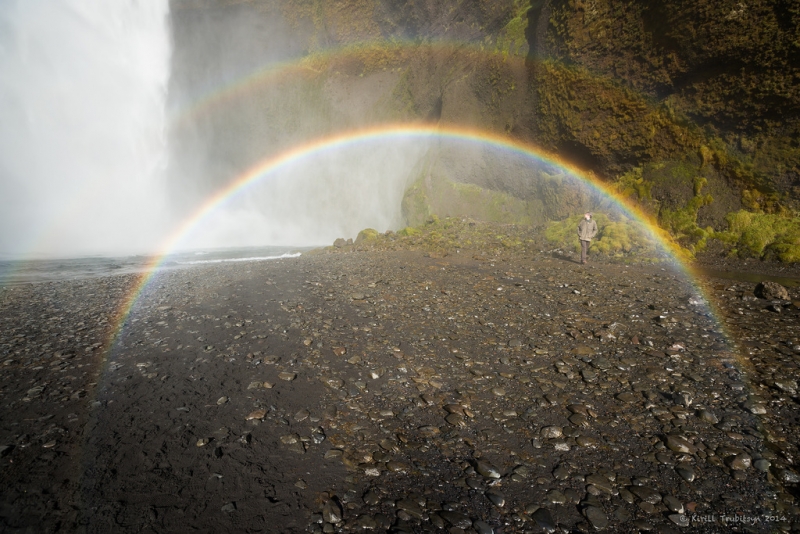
(767, 236)
(682, 224)
(617, 236)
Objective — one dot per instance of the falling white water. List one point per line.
(82, 126)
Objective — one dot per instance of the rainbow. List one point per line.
(384, 133)
(380, 54)
(384, 54)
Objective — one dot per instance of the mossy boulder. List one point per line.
(408, 231)
(367, 234)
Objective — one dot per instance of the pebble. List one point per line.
(229, 507)
(708, 416)
(410, 507)
(434, 377)
(496, 497)
(456, 519)
(628, 396)
(333, 454)
(673, 504)
(754, 407)
(600, 482)
(740, 462)
(287, 376)
(257, 385)
(646, 494)
(258, 413)
(549, 432)
(596, 517)
(562, 446)
(544, 520)
(332, 511)
(787, 476)
(290, 439)
(762, 465)
(686, 471)
(487, 470)
(678, 444)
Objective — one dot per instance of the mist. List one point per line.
(82, 136)
(322, 196)
(121, 120)
(223, 125)
(98, 157)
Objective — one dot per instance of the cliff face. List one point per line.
(720, 74)
(691, 107)
(729, 64)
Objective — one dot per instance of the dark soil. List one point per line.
(376, 390)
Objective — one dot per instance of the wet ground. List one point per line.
(377, 390)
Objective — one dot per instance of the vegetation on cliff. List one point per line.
(690, 108)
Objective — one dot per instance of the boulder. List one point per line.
(366, 235)
(771, 291)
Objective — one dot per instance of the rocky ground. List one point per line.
(363, 388)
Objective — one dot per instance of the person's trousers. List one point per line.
(584, 250)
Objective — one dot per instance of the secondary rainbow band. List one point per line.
(380, 134)
(316, 62)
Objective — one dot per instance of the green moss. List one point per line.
(485, 204)
(763, 235)
(408, 231)
(616, 239)
(415, 206)
(609, 121)
(512, 40)
(682, 224)
(606, 99)
(652, 44)
(634, 186)
(366, 234)
(433, 194)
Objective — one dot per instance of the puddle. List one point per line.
(748, 277)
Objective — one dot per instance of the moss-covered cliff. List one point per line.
(654, 97)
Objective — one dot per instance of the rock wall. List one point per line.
(671, 92)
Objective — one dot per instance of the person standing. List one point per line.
(587, 229)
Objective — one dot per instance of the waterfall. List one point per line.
(82, 126)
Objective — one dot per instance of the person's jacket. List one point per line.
(587, 229)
